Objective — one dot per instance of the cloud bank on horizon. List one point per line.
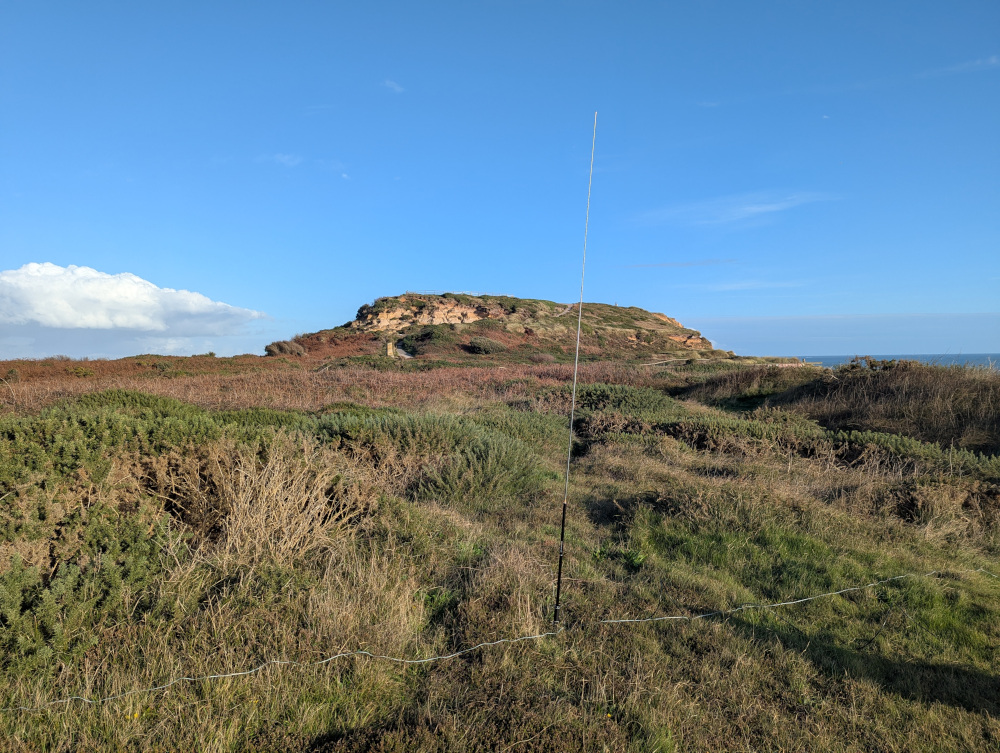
(46, 308)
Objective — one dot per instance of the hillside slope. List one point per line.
(458, 327)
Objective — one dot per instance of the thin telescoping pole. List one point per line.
(576, 366)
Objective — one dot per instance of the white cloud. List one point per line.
(48, 296)
(393, 86)
(732, 209)
(46, 309)
(285, 160)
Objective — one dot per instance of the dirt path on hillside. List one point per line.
(564, 311)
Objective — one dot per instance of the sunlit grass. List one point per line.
(208, 531)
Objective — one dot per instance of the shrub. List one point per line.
(635, 401)
(426, 337)
(486, 346)
(105, 569)
(285, 348)
(377, 306)
(81, 437)
(918, 457)
(439, 457)
(505, 302)
(745, 387)
(544, 431)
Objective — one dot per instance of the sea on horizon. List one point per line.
(990, 360)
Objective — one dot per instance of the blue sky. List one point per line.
(764, 171)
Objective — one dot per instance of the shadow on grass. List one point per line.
(612, 511)
(923, 681)
(482, 722)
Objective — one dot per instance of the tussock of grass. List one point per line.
(290, 504)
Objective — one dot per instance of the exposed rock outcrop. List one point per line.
(695, 342)
(444, 326)
(396, 314)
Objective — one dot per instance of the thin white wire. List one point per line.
(576, 367)
(742, 607)
(283, 663)
(579, 313)
(443, 657)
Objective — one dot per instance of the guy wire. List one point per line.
(723, 613)
(576, 366)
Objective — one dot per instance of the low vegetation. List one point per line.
(285, 348)
(952, 406)
(486, 346)
(215, 515)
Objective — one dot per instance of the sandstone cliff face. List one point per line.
(410, 311)
(667, 319)
(691, 341)
(523, 328)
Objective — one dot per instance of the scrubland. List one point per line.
(179, 518)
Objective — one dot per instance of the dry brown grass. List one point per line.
(293, 502)
(281, 502)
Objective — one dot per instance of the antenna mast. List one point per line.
(576, 367)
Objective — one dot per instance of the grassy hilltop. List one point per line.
(163, 518)
(459, 328)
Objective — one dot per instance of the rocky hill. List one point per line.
(459, 327)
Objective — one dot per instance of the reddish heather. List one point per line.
(247, 381)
